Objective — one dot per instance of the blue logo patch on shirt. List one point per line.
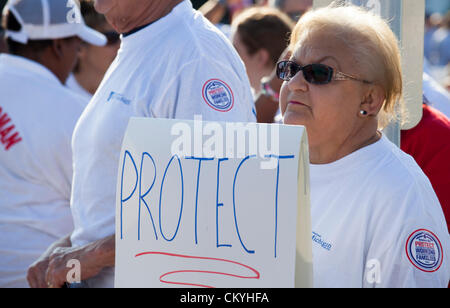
(218, 95)
(424, 250)
(113, 96)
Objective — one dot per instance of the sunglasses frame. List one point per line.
(332, 74)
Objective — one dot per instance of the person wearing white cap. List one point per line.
(93, 61)
(172, 63)
(37, 117)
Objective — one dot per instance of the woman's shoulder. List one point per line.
(402, 189)
(397, 168)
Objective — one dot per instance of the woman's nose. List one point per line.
(298, 82)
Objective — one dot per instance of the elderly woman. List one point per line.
(376, 220)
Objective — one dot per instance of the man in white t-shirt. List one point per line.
(37, 117)
(172, 63)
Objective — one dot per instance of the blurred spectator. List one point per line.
(432, 24)
(428, 143)
(446, 82)
(266, 113)
(218, 10)
(198, 3)
(93, 61)
(294, 8)
(3, 48)
(437, 6)
(437, 40)
(2, 5)
(37, 117)
(438, 97)
(437, 47)
(260, 35)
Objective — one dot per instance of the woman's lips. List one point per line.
(296, 103)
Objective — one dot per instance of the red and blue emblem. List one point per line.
(218, 95)
(424, 250)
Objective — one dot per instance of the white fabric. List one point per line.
(68, 11)
(73, 85)
(364, 207)
(36, 172)
(160, 71)
(438, 97)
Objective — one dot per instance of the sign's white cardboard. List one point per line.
(234, 219)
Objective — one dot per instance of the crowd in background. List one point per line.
(437, 27)
(437, 42)
(259, 30)
(224, 12)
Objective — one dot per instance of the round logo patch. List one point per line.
(424, 250)
(218, 95)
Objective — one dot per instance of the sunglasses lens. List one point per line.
(281, 70)
(318, 73)
(286, 70)
(313, 73)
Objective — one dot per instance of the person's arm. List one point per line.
(267, 102)
(93, 258)
(37, 270)
(408, 247)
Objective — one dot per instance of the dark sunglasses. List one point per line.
(112, 36)
(317, 74)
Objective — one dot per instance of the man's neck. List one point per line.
(154, 11)
(48, 61)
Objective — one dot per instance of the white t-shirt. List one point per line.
(73, 85)
(37, 118)
(177, 67)
(377, 222)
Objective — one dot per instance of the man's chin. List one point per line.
(103, 6)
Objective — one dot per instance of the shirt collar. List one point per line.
(152, 30)
(24, 64)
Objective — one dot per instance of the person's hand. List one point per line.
(92, 258)
(56, 274)
(37, 271)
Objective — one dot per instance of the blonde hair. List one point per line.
(373, 45)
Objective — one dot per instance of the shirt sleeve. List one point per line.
(410, 249)
(207, 88)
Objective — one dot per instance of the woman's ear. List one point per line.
(373, 100)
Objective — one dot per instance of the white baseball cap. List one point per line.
(50, 19)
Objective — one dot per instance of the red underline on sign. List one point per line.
(163, 280)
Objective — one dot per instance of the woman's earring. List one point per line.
(363, 112)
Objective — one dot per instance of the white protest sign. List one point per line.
(213, 214)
